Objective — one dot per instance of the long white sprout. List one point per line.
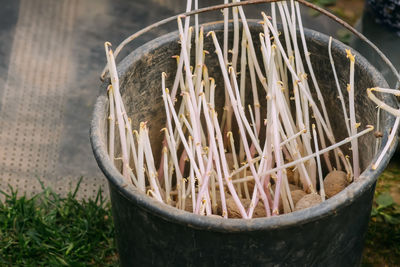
(204, 159)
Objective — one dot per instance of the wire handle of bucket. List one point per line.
(254, 2)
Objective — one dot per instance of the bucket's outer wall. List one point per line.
(145, 239)
(152, 234)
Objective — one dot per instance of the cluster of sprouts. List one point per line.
(267, 154)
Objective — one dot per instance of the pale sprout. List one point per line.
(208, 169)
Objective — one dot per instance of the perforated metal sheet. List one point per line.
(33, 104)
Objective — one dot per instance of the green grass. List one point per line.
(48, 230)
(382, 246)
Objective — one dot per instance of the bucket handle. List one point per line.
(253, 2)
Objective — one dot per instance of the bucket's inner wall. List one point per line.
(141, 85)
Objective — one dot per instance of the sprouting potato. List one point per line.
(308, 201)
(335, 182)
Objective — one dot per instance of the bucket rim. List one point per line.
(329, 207)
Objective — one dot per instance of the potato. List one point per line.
(308, 201)
(250, 185)
(291, 187)
(297, 195)
(293, 176)
(233, 211)
(214, 216)
(335, 182)
(259, 211)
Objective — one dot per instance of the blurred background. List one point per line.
(51, 56)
